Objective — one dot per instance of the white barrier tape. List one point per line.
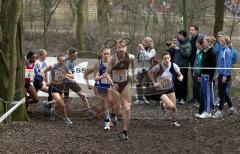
(210, 68)
(18, 103)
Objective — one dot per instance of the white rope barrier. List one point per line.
(17, 104)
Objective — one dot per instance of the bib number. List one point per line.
(29, 74)
(119, 75)
(58, 75)
(164, 84)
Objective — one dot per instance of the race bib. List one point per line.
(119, 75)
(164, 83)
(104, 81)
(58, 75)
(29, 73)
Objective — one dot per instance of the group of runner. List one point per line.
(112, 81)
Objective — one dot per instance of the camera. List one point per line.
(168, 43)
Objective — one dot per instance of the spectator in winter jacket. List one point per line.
(224, 76)
(181, 58)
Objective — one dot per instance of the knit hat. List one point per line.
(183, 33)
(71, 50)
(221, 33)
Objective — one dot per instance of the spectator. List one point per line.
(194, 36)
(209, 61)
(181, 58)
(224, 76)
(146, 54)
(172, 50)
(197, 72)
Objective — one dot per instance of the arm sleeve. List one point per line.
(185, 50)
(176, 68)
(235, 56)
(213, 63)
(228, 62)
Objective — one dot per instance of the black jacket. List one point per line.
(194, 50)
(209, 59)
(181, 57)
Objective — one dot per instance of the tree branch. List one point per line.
(50, 16)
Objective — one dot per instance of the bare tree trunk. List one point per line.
(80, 23)
(102, 18)
(234, 22)
(10, 16)
(21, 113)
(147, 23)
(135, 15)
(219, 16)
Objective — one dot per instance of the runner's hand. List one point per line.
(155, 84)
(224, 79)
(180, 78)
(134, 80)
(140, 46)
(114, 86)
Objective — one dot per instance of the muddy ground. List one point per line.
(149, 132)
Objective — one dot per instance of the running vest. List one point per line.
(29, 72)
(70, 63)
(164, 82)
(38, 71)
(102, 70)
(119, 71)
(58, 73)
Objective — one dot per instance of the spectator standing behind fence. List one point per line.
(181, 58)
(146, 54)
(234, 57)
(224, 76)
(193, 38)
(172, 50)
(197, 72)
(209, 62)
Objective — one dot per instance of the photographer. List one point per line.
(181, 58)
(172, 50)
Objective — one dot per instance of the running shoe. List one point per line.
(182, 102)
(138, 102)
(123, 136)
(114, 120)
(205, 115)
(146, 101)
(68, 121)
(175, 124)
(232, 110)
(46, 105)
(217, 115)
(107, 126)
(197, 115)
(196, 105)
